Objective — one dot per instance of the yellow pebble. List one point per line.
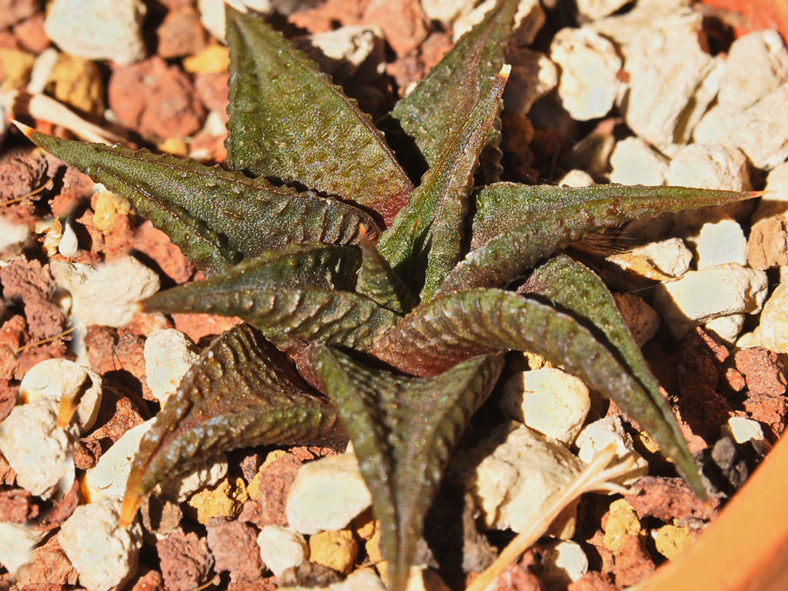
(671, 540)
(78, 83)
(15, 67)
(364, 525)
(335, 549)
(108, 207)
(648, 442)
(175, 146)
(372, 547)
(223, 500)
(211, 60)
(254, 484)
(622, 523)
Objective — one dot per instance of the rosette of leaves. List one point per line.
(375, 304)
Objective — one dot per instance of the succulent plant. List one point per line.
(375, 305)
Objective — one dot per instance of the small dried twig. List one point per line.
(43, 341)
(41, 106)
(596, 476)
(27, 195)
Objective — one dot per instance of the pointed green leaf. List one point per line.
(241, 392)
(426, 236)
(453, 327)
(572, 287)
(292, 295)
(217, 217)
(435, 110)
(289, 122)
(519, 233)
(378, 281)
(403, 431)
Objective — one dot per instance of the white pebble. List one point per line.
(533, 76)
(281, 548)
(98, 29)
(633, 162)
(11, 233)
(564, 563)
(700, 296)
(514, 473)
(772, 330)
(69, 244)
(327, 494)
(107, 479)
(107, 294)
(721, 242)
(212, 12)
(168, 356)
(342, 51)
(58, 379)
(528, 19)
(589, 65)
(757, 64)
(759, 130)
(642, 320)
(17, 541)
(180, 488)
(726, 328)
(743, 430)
(37, 450)
(671, 256)
(576, 178)
(596, 9)
(104, 554)
(548, 400)
(664, 113)
(709, 166)
(444, 10)
(597, 435)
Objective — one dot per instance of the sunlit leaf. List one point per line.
(289, 122)
(572, 287)
(403, 431)
(426, 236)
(515, 232)
(435, 110)
(454, 327)
(378, 281)
(241, 392)
(216, 217)
(292, 296)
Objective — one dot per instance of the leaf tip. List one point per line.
(25, 129)
(128, 510)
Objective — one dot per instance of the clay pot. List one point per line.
(746, 547)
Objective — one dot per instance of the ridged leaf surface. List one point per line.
(378, 281)
(572, 287)
(516, 233)
(289, 122)
(454, 327)
(424, 242)
(435, 110)
(215, 216)
(403, 431)
(294, 295)
(241, 392)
